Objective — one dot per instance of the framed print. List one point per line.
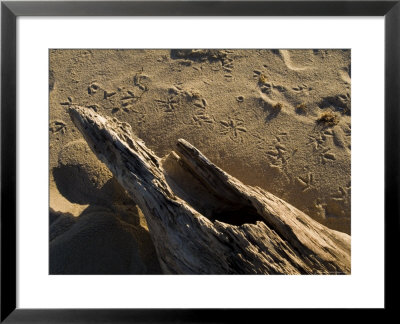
(187, 150)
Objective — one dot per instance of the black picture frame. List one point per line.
(10, 10)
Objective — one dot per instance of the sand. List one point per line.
(277, 119)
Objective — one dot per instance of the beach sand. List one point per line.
(277, 119)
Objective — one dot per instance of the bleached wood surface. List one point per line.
(204, 221)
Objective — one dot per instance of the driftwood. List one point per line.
(204, 221)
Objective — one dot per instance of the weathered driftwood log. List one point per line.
(204, 221)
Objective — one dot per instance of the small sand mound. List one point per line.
(83, 179)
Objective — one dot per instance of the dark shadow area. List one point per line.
(340, 103)
(106, 238)
(75, 184)
(239, 216)
(99, 242)
(215, 205)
